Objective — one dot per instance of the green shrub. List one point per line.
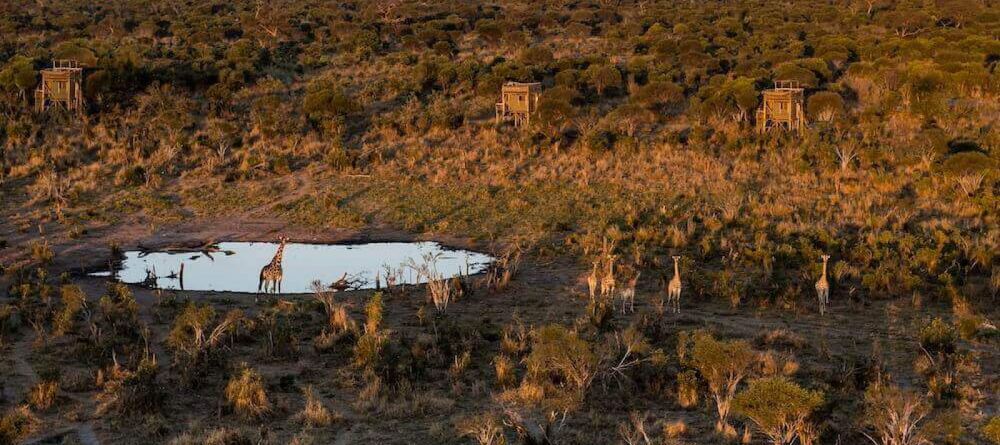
(938, 336)
(10, 319)
(325, 100)
(18, 75)
(603, 78)
(723, 365)
(778, 407)
(559, 353)
(967, 162)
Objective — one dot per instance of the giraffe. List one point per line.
(271, 274)
(674, 288)
(608, 282)
(592, 281)
(628, 293)
(823, 288)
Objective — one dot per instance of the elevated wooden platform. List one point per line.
(61, 85)
(782, 108)
(518, 101)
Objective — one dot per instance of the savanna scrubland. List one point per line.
(374, 119)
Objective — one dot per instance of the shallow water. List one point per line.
(235, 266)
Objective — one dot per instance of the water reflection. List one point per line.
(238, 266)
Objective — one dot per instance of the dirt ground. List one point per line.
(550, 290)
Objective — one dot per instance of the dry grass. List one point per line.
(315, 413)
(43, 395)
(16, 423)
(246, 394)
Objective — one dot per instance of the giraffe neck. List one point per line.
(824, 270)
(279, 254)
(677, 271)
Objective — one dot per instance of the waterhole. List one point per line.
(236, 266)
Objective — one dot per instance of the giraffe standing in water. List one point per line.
(271, 274)
(823, 288)
(674, 288)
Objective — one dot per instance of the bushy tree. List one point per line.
(18, 75)
(325, 99)
(906, 22)
(559, 352)
(77, 50)
(536, 56)
(603, 77)
(734, 99)
(778, 407)
(723, 365)
(660, 96)
(554, 114)
(825, 106)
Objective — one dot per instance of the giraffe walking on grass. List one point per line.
(823, 288)
(592, 281)
(674, 288)
(628, 293)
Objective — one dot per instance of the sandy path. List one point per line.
(84, 432)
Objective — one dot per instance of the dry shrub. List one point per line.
(514, 339)
(370, 395)
(459, 365)
(440, 290)
(687, 389)
(527, 393)
(221, 436)
(246, 394)
(73, 301)
(504, 368)
(776, 363)
(315, 413)
(339, 323)
(195, 341)
(125, 391)
(43, 395)
(484, 429)
(781, 338)
(674, 429)
(633, 431)
(17, 423)
(893, 414)
(991, 430)
(368, 349)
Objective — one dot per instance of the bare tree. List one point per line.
(893, 414)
